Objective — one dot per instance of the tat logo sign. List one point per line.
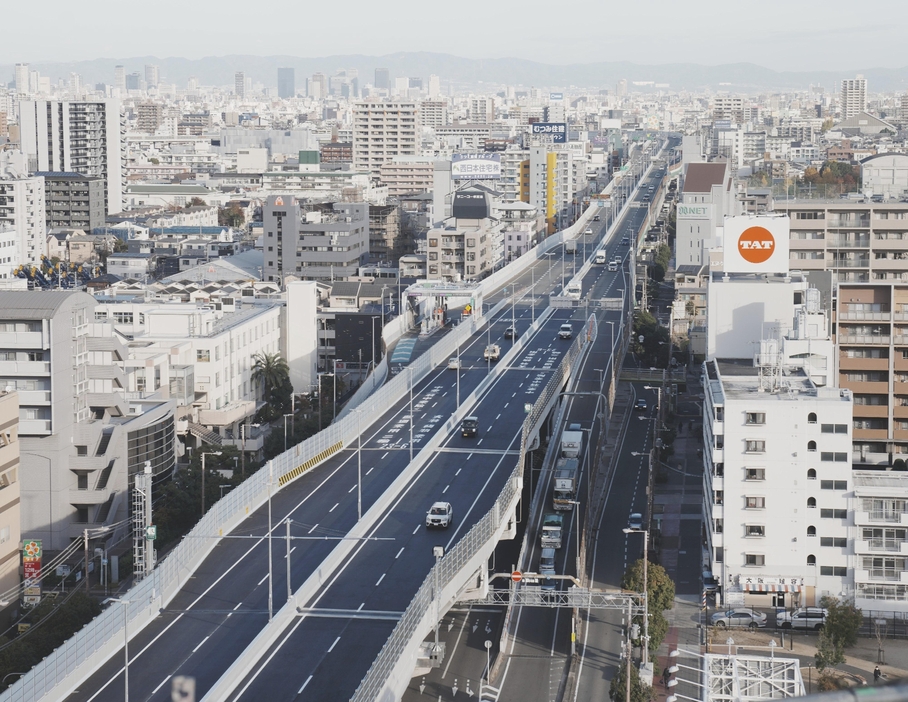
(756, 245)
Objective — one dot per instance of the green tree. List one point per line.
(661, 595)
(640, 691)
(197, 202)
(231, 216)
(843, 621)
(830, 653)
(652, 351)
(272, 374)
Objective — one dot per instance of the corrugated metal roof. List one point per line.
(701, 177)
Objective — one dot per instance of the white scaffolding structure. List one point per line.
(731, 677)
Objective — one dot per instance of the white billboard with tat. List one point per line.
(756, 244)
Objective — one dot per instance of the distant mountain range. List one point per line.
(466, 73)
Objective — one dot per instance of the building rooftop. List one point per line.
(34, 304)
(740, 378)
(701, 177)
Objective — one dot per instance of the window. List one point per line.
(811, 531)
(838, 457)
(755, 474)
(833, 541)
(811, 445)
(756, 418)
(35, 355)
(471, 243)
(203, 355)
(812, 418)
(719, 556)
(839, 571)
(755, 502)
(811, 560)
(754, 559)
(833, 514)
(433, 255)
(433, 242)
(755, 446)
(754, 530)
(833, 485)
(811, 501)
(719, 526)
(834, 428)
(718, 498)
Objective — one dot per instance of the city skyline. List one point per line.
(707, 36)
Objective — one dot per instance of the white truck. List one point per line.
(571, 443)
(570, 245)
(552, 525)
(565, 489)
(600, 257)
(492, 352)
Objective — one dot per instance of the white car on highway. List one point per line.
(440, 515)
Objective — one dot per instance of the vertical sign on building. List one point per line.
(31, 568)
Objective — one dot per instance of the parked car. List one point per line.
(741, 617)
(440, 515)
(803, 618)
(710, 582)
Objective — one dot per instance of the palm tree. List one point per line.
(271, 371)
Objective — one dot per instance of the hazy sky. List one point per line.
(778, 34)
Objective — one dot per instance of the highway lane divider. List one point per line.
(310, 464)
(245, 663)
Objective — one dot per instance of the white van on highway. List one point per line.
(600, 257)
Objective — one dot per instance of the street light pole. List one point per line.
(285, 430)
(359, 468)
(645, 532)
(410, 369)
(125, 604)
(215, 453)
(335, 390)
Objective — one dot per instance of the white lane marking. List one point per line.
(370, 470)
(312, 529)
(506, 405)
(513, 394)
(445, 490)
(377, 584)
(333, 508)
(384, 456)
(360, 607)
(351, 489)
(304, 685)
(416, 529)
(458, 472)
(262, 580)
(479, 442)
(163, 682)
(498, 417)
(469, 456)
(200, 643)
(459, 634)
(399, 552)
(334, 644)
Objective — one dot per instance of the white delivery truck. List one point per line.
(571, 443)
(600, 257)
(565, 488)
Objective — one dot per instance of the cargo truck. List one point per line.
(492, 352)
(552, 525)
(571, 443)
(570, 245)
(600, 256)
(565, 490)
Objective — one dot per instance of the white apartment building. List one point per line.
(22, 208)
(777, 482)
(10, 497)
(465, 246)
(404, 175)
(853, 97)
(433, 114)
(79, 136)
(81, 440)
(880, 508)
(202, 355)
(464, 136)
(10, 258)
(382, 130)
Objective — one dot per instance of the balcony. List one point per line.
(864, 339)
(870, 434)
(881, 545)
(860, 316)
(846, 222)
(838, 243)
(897, 518)
(865, 387)
(231, 414)
(870, 411)
(22, 340)
(34, 397)
(864, 364)
(34, 427)
(850, 263)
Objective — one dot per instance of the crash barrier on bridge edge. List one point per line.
(269, 635)
(78, 657)
(392, 669)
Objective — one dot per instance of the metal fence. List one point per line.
(483, 533)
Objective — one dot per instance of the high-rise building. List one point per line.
(152, 76)
(854, 96)
(134, 81)
(434, 86)
(22, 78)
(79, 136)
(318, 86)
(382, 130)
(150, 116)
(330, 245)
(73, 201)
(239, 84)
(286, 82)
(120, 77)
(382, 78)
